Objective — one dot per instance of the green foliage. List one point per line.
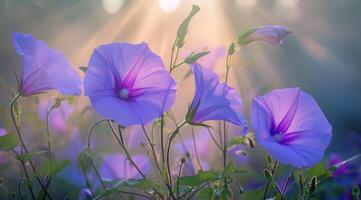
(144, 184)
(243, 37)
(224, 194)
(242, 140)
(8, 141)
(231, 169)
(25, 157)
(52, 167)
(231, 49)
(183, 27)
(253, 194)
(84, 160)
(193, 57)
(200, 178)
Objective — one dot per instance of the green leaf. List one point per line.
(231, 49)
(205, 194)
(231, 169)
(198, 179)
(243, 37)
(193, 57)
(227, 194)
(183, 27)
(117, 184)
(268, 176)
(52, 167)
(238, 140)
(8, 141)
(84, 158)
(29, 156)
(253, 194)
(317, 170)
(83, 68)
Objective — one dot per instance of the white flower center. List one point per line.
(278, 137)
(123, 93)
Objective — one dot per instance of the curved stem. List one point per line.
(91, 129)
(26, 175)
(175, 132)
(12, 104)
(152, 149)
(214, 139)
(121, 143)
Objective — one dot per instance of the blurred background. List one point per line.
(322, 55)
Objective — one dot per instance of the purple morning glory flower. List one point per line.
(43, 68)
(128, 83)
(116, 166)
(270, 34)
(214, 100)
(289, 124)
(335, 159)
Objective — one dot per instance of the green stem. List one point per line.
(152, 150)
(179, 175)
(122, 144)
(12, 104)
(91, 130)
(174, 133)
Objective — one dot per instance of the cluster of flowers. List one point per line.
(129, 85)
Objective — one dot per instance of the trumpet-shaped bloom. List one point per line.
(117, 166)
(270, 34)
(128, 83)
(43, 68)
(214, 100)
(289, 124)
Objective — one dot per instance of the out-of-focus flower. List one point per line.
(57, 117)
(214, 100)
(238, 155)
(289, 124)
(270, 34)
(73, 148)
(335, 159)
(43, 68)
(195, 152)
(85, 194)
(117, 166)
(128, 83)
(2, 131)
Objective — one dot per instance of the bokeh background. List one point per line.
(322, 55)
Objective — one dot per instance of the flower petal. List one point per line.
(44, 68)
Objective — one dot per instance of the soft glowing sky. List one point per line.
(322, 55)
